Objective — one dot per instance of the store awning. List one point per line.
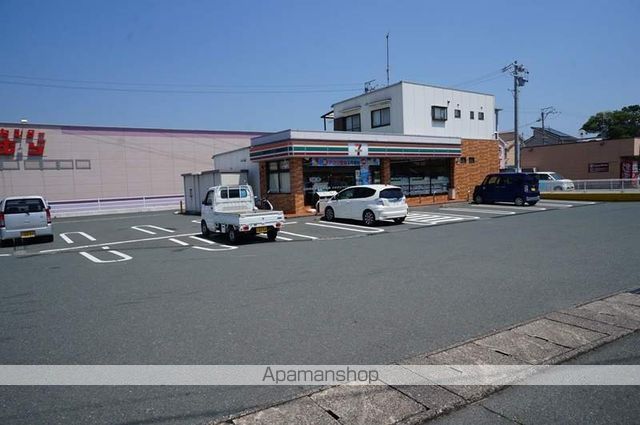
(294, 143)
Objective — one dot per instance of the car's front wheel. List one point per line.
(368, 218)
(519, 201)
(329, 215)
(478, 199)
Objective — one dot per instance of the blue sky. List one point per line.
(271, 65)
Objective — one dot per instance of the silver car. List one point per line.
(549, 181)
(25, 217)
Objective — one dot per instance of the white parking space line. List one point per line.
(142, 228)
(340, 227)
(178, 241)
(431, 219)
(289, 222)
(67, 239)
(195, 221)
(298, 235)
(123, 257)
(523, 208)
(224, 248)
(207, 241)
(280, 238)
(564, 201)
(476, 210)
(555, 205)
(5, 255)
(98, 245)
(440, 214)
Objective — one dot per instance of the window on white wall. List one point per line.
(481, 116)
(471, 115)
(349, 123)
(457, 113)
(439, 113)
(380, 117)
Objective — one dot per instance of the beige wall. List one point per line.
(572, 159)
(124, 162)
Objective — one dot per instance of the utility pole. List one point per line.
(544, 113)
(520, 75)
(387, 59)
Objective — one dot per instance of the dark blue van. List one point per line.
(519, 188)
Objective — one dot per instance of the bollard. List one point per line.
(181, 212)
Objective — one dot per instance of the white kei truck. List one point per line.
(231, 210)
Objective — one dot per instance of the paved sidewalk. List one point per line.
(562, 405)
(552, 339)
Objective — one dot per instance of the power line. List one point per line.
(141, 90)
(147, 84)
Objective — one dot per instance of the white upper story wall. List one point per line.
(411, 111)
(388, 97)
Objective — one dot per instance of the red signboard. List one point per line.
(34, 147)
(37, 149)
(7, 147)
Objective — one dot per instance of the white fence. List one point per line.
(607, 185)
(115, 205)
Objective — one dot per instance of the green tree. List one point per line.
(615, 124)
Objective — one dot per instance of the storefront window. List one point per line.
(325, 174)
(279, 180)
(422, 177)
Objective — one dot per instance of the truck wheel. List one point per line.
(233, 235)
(399, 220)
(478, 199)
(204, 229)
(272, 234)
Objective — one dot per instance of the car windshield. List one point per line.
(557, 176)
(21, 206)
(394, 193)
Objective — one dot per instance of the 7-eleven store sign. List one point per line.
(358, 149)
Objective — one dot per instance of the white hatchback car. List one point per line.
(368, 203)
(23, 217)
(550, 181)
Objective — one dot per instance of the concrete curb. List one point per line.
(548, 339)
(593, 196)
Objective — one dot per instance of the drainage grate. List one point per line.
(635, 291)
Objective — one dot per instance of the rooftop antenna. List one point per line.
(387, 59)
(369, 86)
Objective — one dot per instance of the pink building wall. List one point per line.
(124, 162)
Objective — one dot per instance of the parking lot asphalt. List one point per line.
(126, 292)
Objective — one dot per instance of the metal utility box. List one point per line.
(320, 200)
(197, 184)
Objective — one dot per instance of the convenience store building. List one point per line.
(435, 143)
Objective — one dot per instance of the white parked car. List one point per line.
(368, 203)
(23, 217)
(550, 181)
